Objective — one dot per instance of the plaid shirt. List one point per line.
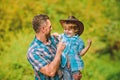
(71, 52)
(40, 55)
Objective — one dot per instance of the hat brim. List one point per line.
(79, 23)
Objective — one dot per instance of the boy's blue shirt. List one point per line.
(74, 45)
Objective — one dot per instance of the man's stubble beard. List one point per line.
(48, 35)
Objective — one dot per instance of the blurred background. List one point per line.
(101, 19)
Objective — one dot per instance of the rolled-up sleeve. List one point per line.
(37, 60)
(81, 45)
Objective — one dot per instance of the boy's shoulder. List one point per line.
(80, 39)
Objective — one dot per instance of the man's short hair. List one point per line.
(38, 21)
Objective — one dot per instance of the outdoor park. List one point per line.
(102, 25)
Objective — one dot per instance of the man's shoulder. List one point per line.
(34, 46)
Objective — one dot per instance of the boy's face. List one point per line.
(69, 31)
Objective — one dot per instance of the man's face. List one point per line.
(48, 28)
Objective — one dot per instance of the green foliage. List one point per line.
(101, 20)
(13, 61)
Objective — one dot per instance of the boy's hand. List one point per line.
(89, 41)
(55, 34)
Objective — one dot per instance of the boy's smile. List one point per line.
(69, 31)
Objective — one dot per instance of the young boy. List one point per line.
(71, 61)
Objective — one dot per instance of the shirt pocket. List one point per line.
(74, 47)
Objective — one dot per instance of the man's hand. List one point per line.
(77, 76)
(60, 47)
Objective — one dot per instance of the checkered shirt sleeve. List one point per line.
(37, 59)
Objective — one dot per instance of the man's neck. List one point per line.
(42, 38)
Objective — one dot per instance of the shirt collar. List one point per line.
(40, 42)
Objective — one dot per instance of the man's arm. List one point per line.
(50, 69)
(86, 48)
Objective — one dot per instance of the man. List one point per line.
(43, 54)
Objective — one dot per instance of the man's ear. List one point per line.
(43, 29)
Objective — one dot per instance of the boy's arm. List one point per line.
(86, 48)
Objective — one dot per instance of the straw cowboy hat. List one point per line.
(72, 19)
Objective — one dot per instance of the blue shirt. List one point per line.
(40, 55)
(71, 52)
